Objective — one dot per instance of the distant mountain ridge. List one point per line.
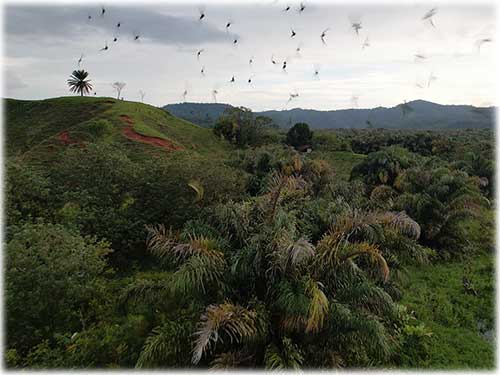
(421, 115)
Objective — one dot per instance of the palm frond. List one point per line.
(221, 321)
(318, 307)
(198, 189)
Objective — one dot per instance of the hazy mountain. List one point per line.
(420, 115)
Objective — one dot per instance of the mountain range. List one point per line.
(417, 114)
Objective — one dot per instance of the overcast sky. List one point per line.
(44, 43)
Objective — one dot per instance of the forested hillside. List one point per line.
(418, 114)
(135, 239)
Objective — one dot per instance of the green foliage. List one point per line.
(79, 83)
(299, 135)
(52, 280)
(239, 126)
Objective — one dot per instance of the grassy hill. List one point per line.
(37, 125)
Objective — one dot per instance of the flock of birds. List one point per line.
(356, 26)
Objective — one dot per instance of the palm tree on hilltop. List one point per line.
(77, 82)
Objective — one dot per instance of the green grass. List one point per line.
(436, 294)
(35, 124)
(341, 161)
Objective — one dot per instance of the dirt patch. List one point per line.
(130, 133)
(65, 138)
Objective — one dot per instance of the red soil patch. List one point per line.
(65, 138)
(130, 133)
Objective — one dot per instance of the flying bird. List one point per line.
(273, 60)
(232, 79)
(293, 34)
(432, 77)
(365, 44)
(115, 39)
(89, 17)
(428, 16)
(419, 57)
(287, 8)
(228, 25)
(323, 35)
(302, 7)
(356, 26)
(250, 61)
(118, 24)
(316, 71)
(80, 60)
(235, 41)
(202, 71)
(298, 50)
(103, 11)
(480, 42)
(136, 37)
(202, 14)
(214, 95)
(198, 54)
(354, 101)
(184, 94)
(105, 48)
(250, 79)
(284, 66)
(292, 96)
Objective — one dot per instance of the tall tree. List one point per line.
(77, 82)
(118, 86)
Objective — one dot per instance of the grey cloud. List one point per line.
(14, 82)
(50, 22)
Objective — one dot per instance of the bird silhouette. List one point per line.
(80, 60)
(428, 16)
(292, 96)
(184, 94)
(284, 66)
(235, 41)
(228, 24)
(298, 50)
(432, 78)
(198, 54)
(293, 34)
(250, 61)
(202, 71)
(115, 39)
(480, 42)
(273, 60)
(118, 24)
(323, 35)
(136, 37)
(316, 71)
(105, 48)
(214, 95)
(202, 14)
(354, 101)
(419, 57)
(103, 11)
(302, 7)
(356, 26)
(89, 17)
(365, 44)
(232, 79)
(287, 8)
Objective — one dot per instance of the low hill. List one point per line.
(420, 115)
(38, 125)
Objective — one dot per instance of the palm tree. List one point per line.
(77, 82)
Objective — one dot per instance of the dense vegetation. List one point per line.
(237, 250)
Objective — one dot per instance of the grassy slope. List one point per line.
(436, 294)
(341, 161)
(35, 124)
